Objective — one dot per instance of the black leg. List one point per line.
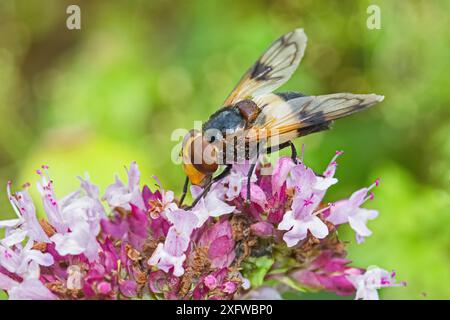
(282, 146)
(249, 176)
(201, 195)
(185, 188)
(278, 147)
(222, 175)
(293, 152)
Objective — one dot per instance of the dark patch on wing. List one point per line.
(309, 120)
(260, 71)
(289, 95)
(315, 128)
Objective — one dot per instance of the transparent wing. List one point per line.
(282, 120)
(272, 69)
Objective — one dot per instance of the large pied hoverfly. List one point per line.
(254, 121)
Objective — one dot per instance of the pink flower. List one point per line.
(262, 229)
(131, 228)
(328, 272)
(51, 206)
(171, 254)
(367, 285)
(328, 179)
(309, 191)
(18, 259)
(30, 288)
(211, 206)
(165, 260)
(257, 195)
(218, 238)
(128, 288)
(81, 239)
(235, 185)
(349, 211)
(280, 173)
(210, 282)
(79, 220)
(165, 203)
(298, 228)
(234, 181)
(183, 221)
(306, 197)
(156, 205)
(26, 224)
(96, 256)
(104, 287)
(229, 287)
(119, 195)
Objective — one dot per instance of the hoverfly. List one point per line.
(253, 120)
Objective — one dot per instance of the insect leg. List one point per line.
(185, 188)
(282, 146)
(293, 152)
(219, 177)
(249, 176)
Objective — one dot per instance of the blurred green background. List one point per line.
(97, 98)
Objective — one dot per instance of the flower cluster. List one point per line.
(137, 243)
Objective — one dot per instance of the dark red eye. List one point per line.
(203, 155)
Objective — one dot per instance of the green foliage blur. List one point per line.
(93, 100)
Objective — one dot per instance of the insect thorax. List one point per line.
(226, 120)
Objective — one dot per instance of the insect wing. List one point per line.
(272, 69)
(282, 120)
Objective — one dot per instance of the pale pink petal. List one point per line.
(14, 237)
(297, 233)
(6, 283)
(10, 223)
(257, 195)
(196, 191)
(184, 221)
(215, 206)
(280, 173)
(91, 189)
(323, 184)
(166, 261)
(339, 212)
(133, 176)
(287, 222)
(317, 227)
(359, 226)
(234, 181)
(358, 197)
(31, 289)
(176, 244)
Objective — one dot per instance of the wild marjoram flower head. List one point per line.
(145, 246)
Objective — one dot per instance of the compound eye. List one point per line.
(203, 155)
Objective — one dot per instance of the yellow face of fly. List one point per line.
(191, 152)
(195, 177)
